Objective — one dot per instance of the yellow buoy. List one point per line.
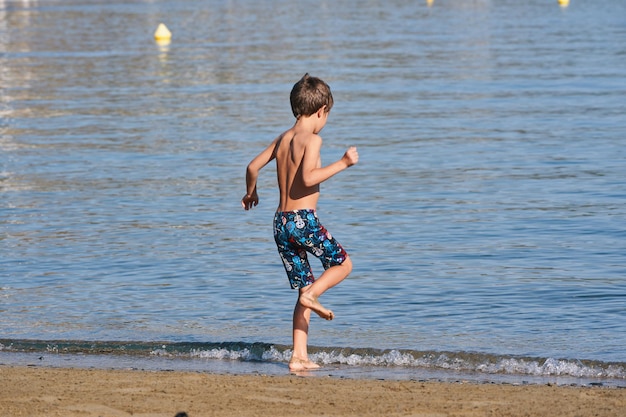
(563, 3)
(162, 33)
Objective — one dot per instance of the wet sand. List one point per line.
(68, 392)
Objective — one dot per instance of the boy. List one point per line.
(297, 229)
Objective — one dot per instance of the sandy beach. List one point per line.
(40, 391)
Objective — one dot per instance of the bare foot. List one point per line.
(311, 302)
(296, 365)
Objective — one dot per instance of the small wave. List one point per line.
(460, 362)
(486, 364)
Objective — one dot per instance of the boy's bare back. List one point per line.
(291, 149)
(298, 165)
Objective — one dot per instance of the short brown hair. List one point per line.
(309, 95)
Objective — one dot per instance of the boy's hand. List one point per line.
(351, 156)
(249, 200)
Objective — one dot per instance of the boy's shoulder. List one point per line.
(306, 139)
(299, 139)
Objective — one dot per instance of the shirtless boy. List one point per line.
(297, 229)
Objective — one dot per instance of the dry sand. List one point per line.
(40, 391)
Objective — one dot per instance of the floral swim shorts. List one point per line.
(298, 232)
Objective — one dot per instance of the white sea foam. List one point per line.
(462, 362)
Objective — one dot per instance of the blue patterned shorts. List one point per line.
(298, 232)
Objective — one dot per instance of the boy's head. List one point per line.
(309, 95)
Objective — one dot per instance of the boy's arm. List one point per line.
(251, 199)
(312, 174)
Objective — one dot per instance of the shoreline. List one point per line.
(47, 391)
(173, 363)
(272, 359)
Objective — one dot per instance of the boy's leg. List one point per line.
(332, 276)
(300, 357)
(307, 302)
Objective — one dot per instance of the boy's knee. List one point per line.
(347, 264)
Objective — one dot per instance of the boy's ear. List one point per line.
(321, 111)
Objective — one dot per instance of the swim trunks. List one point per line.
(298, 232)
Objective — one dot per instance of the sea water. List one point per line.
(485, 219)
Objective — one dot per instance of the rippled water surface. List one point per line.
(486, 213)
